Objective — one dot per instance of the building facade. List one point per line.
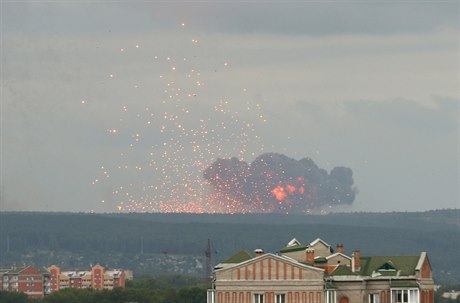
(26, 279)
(96, 278)
(316, 273)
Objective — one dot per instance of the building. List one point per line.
(452, 295)
(97, 278)
(316, 273)
(26, 279)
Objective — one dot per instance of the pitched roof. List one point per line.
(319, 240)
(342, 270)
(405, 265)
(241, 256)
(293, 242)
(295, 245)
(293, 248)
(337, 254)
(17, 270)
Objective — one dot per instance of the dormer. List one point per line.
(387, 266)
(293, 242)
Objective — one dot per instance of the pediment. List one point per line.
(281, 259)
(293, 242)
(269, 267)
(337, 255)
(320, 242)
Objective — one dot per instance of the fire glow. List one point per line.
(276, 183)
(171, 141)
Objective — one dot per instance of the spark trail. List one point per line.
(169, 138)
(166, 142)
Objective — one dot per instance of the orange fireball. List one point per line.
(279, 193)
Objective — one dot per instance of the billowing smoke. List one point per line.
(277, 183)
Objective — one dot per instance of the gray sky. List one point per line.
(120, 105)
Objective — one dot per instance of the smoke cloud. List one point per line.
(276, 183)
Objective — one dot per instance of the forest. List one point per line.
(159, 244)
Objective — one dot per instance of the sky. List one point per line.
(120, 105)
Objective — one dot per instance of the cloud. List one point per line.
(338, 82)
(259, 17)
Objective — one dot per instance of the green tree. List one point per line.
(13, 297)
(71, 296)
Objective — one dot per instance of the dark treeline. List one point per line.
(130, 240)
(146, 290)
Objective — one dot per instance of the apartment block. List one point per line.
(32, 281)
(96, 278)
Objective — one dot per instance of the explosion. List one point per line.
(277, 183)
(164, 142)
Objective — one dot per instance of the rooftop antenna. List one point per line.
(142, 245)
(208, 255)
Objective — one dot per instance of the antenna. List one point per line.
(142, 245)
(208, 255)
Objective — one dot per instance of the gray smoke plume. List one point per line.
(276, 183)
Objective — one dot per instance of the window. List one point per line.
(280, 298)
(331, 296)
(374, 298)
(410, 295)
(258, 298)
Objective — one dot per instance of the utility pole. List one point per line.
(208, 254)
(142, 245)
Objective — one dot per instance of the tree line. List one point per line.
(146, 290)
(131, 241)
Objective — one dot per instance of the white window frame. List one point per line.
(280, 298)
(408, 295)
(258, 298)
(331, 296)
(374, 298)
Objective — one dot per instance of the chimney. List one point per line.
(259, 252)
(310, 252)
(355, 263)
(340, 249)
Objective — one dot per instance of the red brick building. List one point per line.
(26, 279)
(96, 278)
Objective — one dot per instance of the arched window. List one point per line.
(344, 300)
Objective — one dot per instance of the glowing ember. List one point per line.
(279, 193)
(168, 148)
